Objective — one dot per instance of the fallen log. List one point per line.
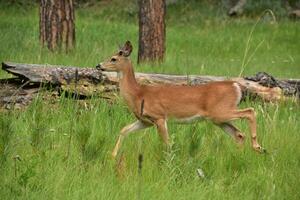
(16, 91)
(90, 81)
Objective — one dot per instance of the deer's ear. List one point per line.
(127, 49)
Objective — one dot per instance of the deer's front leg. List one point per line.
(138, 125)
(163, 130)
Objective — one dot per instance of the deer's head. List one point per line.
(118, 61)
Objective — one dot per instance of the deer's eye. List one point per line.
(113, 60)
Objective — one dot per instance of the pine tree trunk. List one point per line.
(152, 30)
(57, 28)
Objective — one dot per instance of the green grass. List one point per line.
(65, 147)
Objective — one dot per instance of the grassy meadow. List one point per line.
(61, 149)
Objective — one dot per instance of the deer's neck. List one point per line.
(129, 88)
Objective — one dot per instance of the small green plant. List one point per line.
(170, 163)
(83, 131)
(37, 125)
(6, 131)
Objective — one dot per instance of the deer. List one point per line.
(154, 105)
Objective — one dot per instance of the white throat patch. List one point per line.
(120, 75)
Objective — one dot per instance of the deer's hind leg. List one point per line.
(233, 132)
(249, 115)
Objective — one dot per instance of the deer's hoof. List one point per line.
(263, 150)
(260, 149)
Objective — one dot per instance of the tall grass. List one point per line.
(61, 149)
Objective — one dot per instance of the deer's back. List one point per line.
(188, 101)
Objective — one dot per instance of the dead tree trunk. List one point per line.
(57, 29)
(152, 31)
(90, 81)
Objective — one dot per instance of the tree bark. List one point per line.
(90, 81)
(57, 28)
(152, 30)
(16, 93)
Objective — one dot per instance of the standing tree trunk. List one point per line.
(152, 30)
(57, 29)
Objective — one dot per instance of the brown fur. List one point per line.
(154, 105)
